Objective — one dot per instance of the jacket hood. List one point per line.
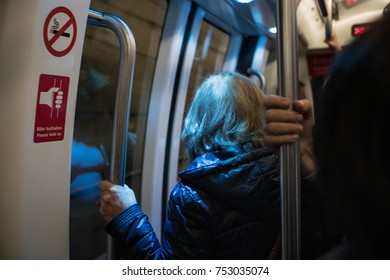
(246, 179)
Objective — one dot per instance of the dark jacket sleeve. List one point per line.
(134, 236)
(185, 232)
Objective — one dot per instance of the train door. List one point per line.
(94, 120)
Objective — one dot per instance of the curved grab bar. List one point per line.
(123, 95)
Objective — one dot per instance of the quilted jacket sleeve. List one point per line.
(134, 236)
(186, 234)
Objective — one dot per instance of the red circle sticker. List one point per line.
(59, 31)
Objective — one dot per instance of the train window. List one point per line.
(209, 57)
(94, 116)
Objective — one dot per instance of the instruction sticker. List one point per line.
(51, 108)
(60, 31)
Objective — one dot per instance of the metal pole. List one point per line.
(289, 153)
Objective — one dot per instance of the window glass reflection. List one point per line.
(93, 128)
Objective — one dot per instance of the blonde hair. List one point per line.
(227, 110)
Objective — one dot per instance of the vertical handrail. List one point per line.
(289, 153)
(123, 96)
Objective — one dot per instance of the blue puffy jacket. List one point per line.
(226, 206)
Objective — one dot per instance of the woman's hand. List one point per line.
(114, 199)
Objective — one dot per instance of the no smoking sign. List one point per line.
(60, 31)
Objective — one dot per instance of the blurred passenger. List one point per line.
(351, 144)
(334, 44)
(227, 203)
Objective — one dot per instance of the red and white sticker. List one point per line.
(60, 31)
(51, 108)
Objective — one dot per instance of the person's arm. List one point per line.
(285, 126)
(133, 235)
(186, 232)
(333, 43)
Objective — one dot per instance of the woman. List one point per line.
(227, 203)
